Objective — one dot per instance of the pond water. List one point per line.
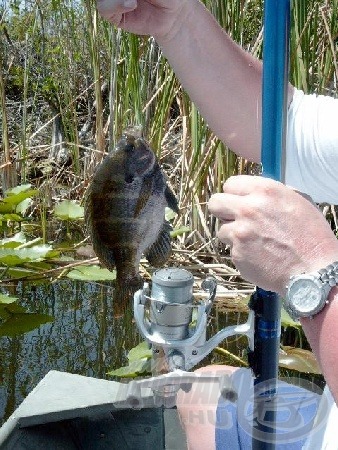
(84, 337)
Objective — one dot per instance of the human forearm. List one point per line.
(275, 233)
(221, 78)
(322, 334)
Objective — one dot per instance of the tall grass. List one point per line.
(64, 61)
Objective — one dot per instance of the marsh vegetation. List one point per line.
(70, 83)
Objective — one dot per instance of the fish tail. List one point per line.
(123, 295)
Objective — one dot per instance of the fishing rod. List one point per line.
(267, 305)
(177, 345)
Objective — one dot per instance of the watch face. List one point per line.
(305, 295)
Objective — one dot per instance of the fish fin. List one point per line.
(171, 199)
(87, 209)
(144, 196)
(123, 295)
(105, 255)
(158, 253)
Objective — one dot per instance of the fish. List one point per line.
(124, 212)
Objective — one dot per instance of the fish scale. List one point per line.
(125, 212)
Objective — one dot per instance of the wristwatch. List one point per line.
(307, 294)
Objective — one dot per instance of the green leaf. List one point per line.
(286, 320)
(69, 210)
(19, 323)
(15, 196)
(8, 306)
(14, 241)
(139, 362)
(18, 189)
(23, 206)
(11, 217)
(16, 256)
(134, 369)
(298, 359)
(179, 231)
(141, 351)
(5, 208)
(21, 272)
(91, 273)
(169, 214)
(7, 299)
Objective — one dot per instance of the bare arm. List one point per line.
(221, 78)
(274, 233)
(322, 334)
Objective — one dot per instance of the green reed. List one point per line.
(91, 75)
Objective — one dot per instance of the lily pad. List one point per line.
(7, 299)
(19, 323)
(15, 196)
(14, 241)
(69, 210)
(141, 351)
(139, 362)
(10, 308)
(14, 319)
(91, 273)
(17, 256)
(133, 370)
(21, 272)
(298, 359)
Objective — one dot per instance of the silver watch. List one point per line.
(307, 294)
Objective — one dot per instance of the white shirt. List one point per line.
(312, 168)
(312, 146)
(324, 433)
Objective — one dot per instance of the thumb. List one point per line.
(109, 8)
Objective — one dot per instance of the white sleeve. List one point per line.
(312, 146)
(324, 431)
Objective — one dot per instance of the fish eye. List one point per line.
(129, 178)
(130, 147)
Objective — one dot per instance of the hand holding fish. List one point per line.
(151, 17)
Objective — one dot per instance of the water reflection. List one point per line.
(84, 338)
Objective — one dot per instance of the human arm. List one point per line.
(274, 233)
(222, 79)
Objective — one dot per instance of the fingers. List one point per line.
(112, 10)
(223, 206)
(246, 184)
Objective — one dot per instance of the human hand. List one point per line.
(274, 232)
(159, 18)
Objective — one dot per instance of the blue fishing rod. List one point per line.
(267, 305)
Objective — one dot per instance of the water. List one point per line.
(84, 338)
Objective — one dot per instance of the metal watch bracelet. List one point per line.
(329, 274)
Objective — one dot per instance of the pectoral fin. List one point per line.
(158, 253)
(171, 199)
